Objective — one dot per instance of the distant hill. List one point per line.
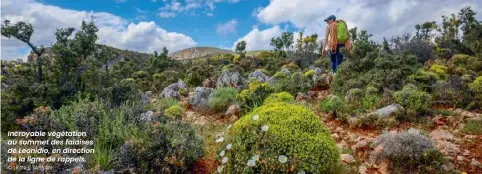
(254, 52)
(198, 52)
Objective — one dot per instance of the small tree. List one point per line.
(23, 31)
(241, 49)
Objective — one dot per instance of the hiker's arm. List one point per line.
(348, 41)
(325, 41)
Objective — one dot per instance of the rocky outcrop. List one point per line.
(174, 90)
(199, 99)
(259, 75)
(388, 110)
(322, 80)
(198, 52)
(146, 97)
(230, 79)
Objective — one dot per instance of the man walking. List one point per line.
(336, 37)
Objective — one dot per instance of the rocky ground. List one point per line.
(356, 144)
(462, 150)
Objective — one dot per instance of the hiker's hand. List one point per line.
(323, 52)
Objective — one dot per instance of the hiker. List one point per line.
(336, 37)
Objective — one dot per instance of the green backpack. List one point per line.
(341, 31)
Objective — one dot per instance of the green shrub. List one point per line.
(280, 75)
(291, 66)
(221, 98)
(254, 95)
(411, 152)
(169, 146)
(295, 84)
(379, 70)
(413, 99)
(440, 70)
(473, 127)
(174, 111)
(163, 104)
(476, 85)
(141, 74)
(309, 73)
(195, 75)
(332, 105)
(280, 138)
(461, 62)
(354, 96)
(424, 79)
(279, 97)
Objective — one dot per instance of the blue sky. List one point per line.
(149, 25)
(197, 23)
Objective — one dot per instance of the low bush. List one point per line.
(473, 127)
(169, 146)
(440, 70)
(332, 105)
(413, 99)
(309, 73)
(163, 104)
(175, 111)
(279, 97)
(221, 98)
(281, 138)
(294, 84)
(254, 95)
(409, 152)
(424, 79)
(379, 70)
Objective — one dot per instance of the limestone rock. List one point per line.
(347, 158)
(322, 80)
(230, 79)
(146, 117)
(259, 75)
(441, 135)
(388, 110)
(145, 97)
(233, 110)
(174, 90)
(199, 99)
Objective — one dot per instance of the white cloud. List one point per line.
(227, 28)
(113, 30)
(173, 7)
(139, 10)
(259, 39)
(382, 18)
(164, 14)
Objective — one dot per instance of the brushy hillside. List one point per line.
(410, 104)
(198, 52)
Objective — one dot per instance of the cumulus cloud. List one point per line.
(113, 30)
(379, 17)
(227, 28)
(173, 7)
(259, 39)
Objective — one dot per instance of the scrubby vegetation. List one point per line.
(279, 137)
(147, 112)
